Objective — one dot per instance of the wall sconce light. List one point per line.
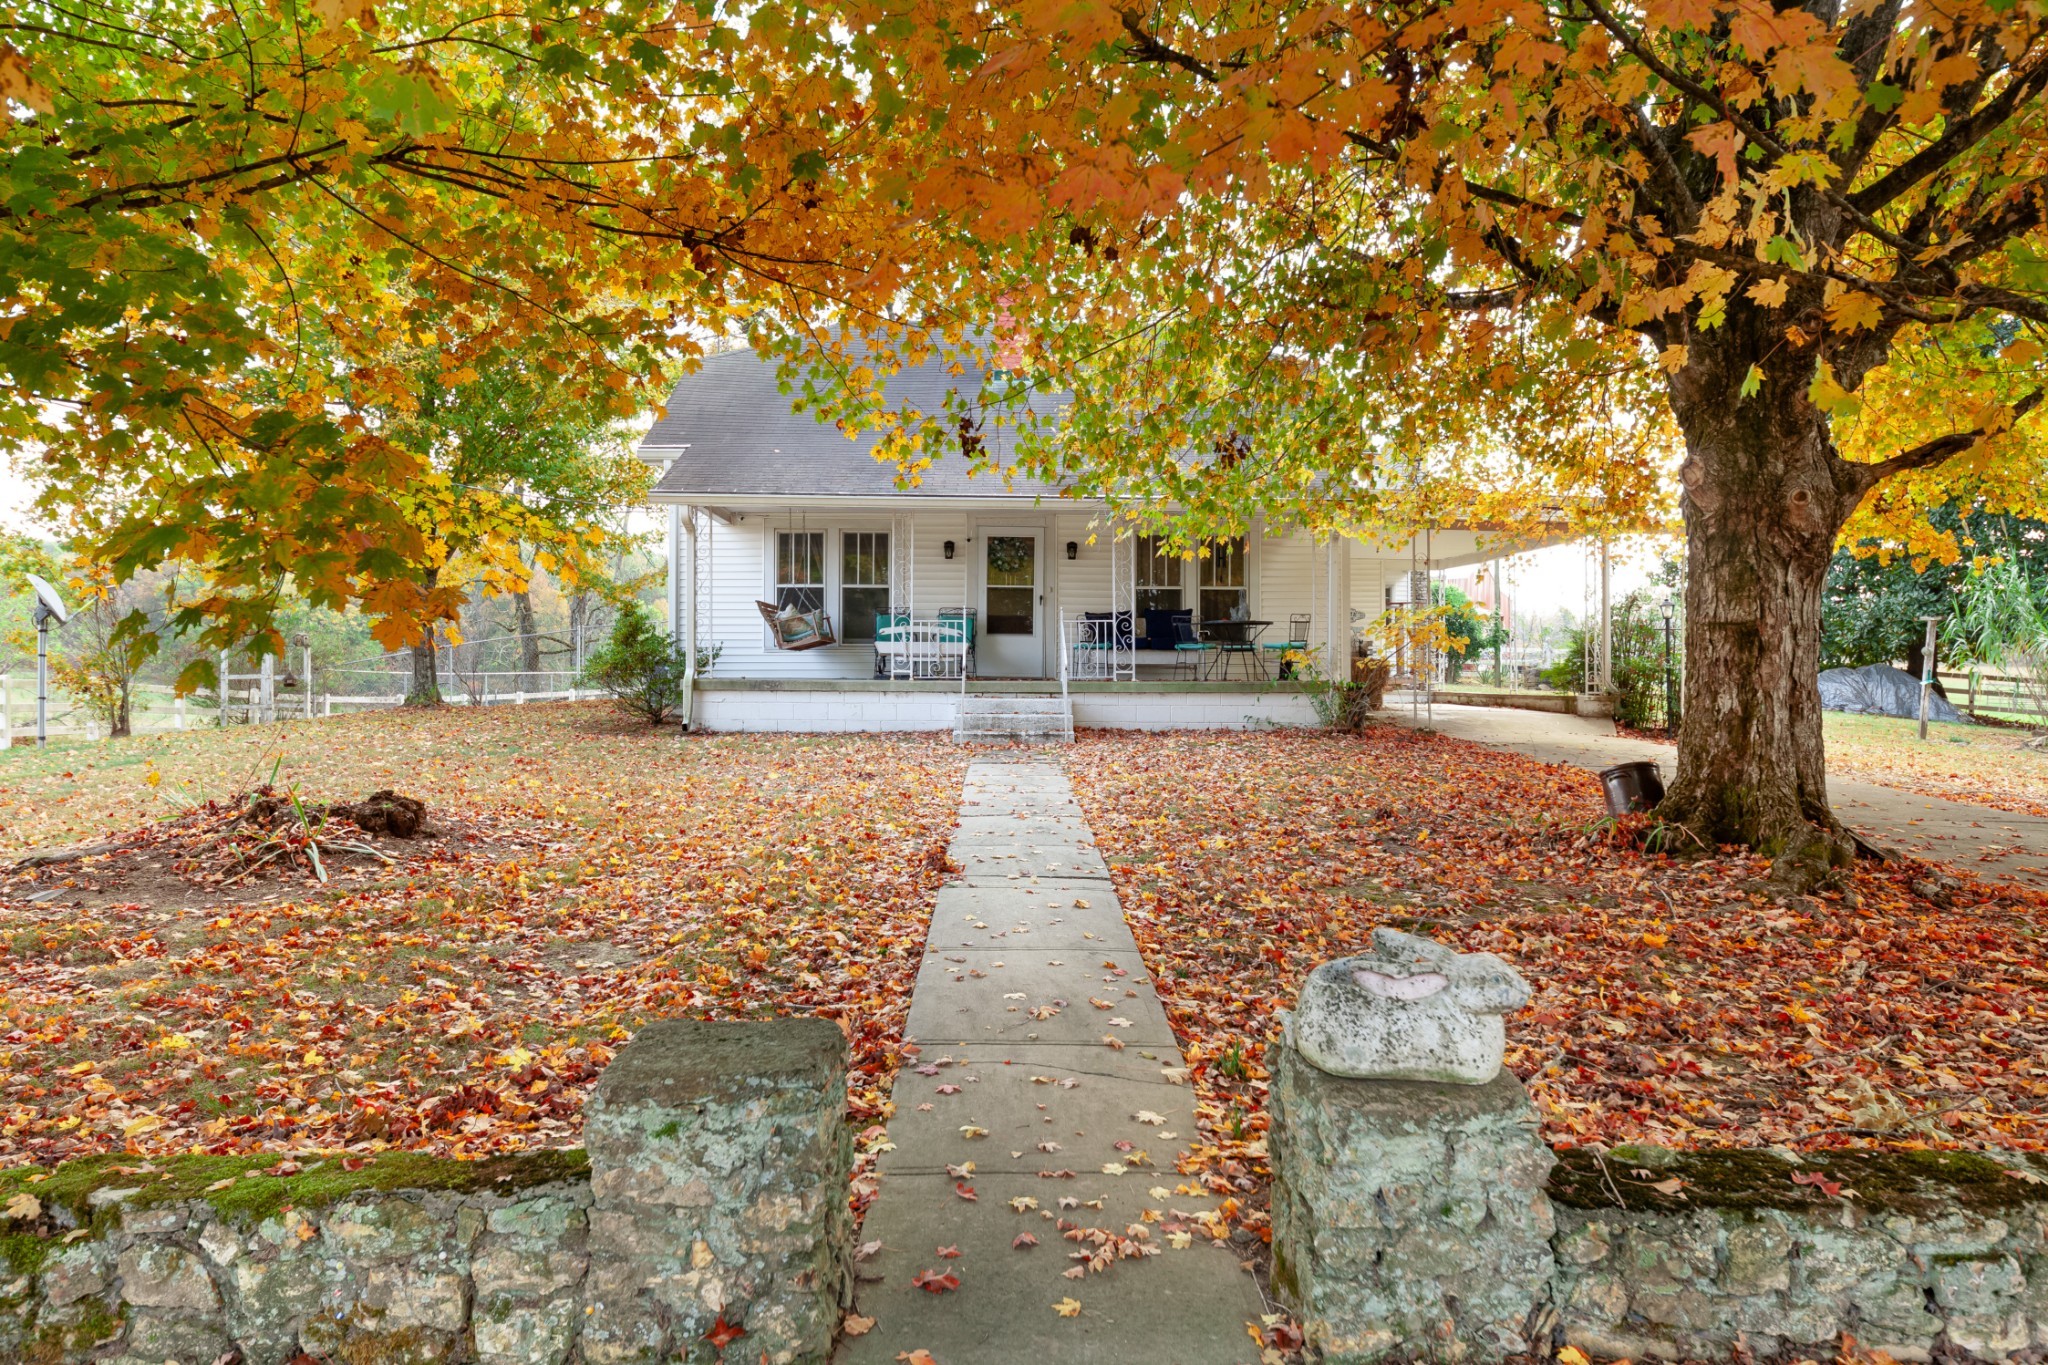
(949, 549)
(1073, 549)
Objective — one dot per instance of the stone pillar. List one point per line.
(719, 1165)
(1408, 1217)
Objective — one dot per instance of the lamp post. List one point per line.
(1670, 692)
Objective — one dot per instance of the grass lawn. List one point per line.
(585, 874)
(1985, 764)
(1675, 1002)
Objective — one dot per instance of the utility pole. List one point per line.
(1927, 672)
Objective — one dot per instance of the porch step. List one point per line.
(986, 717)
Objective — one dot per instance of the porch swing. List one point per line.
(798, 630)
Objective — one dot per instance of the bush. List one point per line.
(641, 668)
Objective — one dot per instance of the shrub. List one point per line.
(641, 668)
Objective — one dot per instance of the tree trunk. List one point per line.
(1762, 509)
(426, 681)
(529, 634)
(119, 726)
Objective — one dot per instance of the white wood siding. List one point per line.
(1287, 569)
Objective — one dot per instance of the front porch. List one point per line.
(868, 704)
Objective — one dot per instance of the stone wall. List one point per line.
(1410, 1216)
(715, 1194)
(1929, 1248)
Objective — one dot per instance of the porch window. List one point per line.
(863, 582)
(800, 570)
(1224, 594)
(1159, 573)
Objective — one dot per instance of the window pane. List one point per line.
(1012, 585)
(1158, 566)
(1223, 563)
(864, 559)
(1223, 604)
(1010, 610)
(1013, 561)
(1158, 599)
(800, 570)
(860, 608)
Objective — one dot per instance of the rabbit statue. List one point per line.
(1409, 1010)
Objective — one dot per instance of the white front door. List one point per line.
(1013, 596)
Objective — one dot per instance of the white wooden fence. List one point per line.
(253, 698)
(1993, 694)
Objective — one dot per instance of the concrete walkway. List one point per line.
(1976, 839)
(1029, 967)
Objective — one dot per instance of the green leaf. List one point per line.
(1882, 97)
(1752, 381)
(1782, 250)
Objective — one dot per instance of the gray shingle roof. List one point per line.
(730, 432)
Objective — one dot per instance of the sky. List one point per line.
(14, 501)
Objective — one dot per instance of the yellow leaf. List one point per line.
(1572, 1355)
(1767, 293)
(148, 1123)
(1850, 311)
(24, 1206)
(17, 86)
(1672, 358)
(1068, 1308)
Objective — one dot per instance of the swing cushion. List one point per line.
(797, 629)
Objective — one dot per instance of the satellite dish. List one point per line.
(48, 596)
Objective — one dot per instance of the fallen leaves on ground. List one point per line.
(1986, 765)
(461, 1002)
(1676, 1002)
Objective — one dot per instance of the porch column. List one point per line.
(689, 589)
(1337, 605)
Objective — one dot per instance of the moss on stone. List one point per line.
(1910, 1182)
(23, 1253)
(90, 1323)
(246, 1198)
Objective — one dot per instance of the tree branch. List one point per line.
(1864, 477)
(1961, 135)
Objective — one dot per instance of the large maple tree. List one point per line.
(1366, 258)
(1816, 229)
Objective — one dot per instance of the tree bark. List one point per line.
(426, 682)
(529, 633)
(1764, 497)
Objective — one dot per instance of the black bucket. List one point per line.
(1632, 787)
